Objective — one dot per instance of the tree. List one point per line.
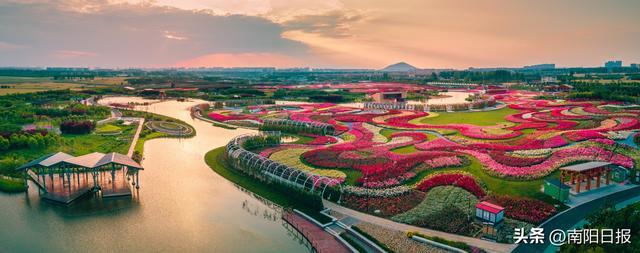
(4, 143)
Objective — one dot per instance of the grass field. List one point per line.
(484, 118)
(107, 129)
(35, 87)
(405, 150)
(11, 185)
(36, 84)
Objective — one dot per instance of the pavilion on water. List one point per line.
(64, 178)
(586, 176)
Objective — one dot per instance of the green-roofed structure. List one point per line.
(64, 178)
(556, 189)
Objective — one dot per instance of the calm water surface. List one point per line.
(182, 206)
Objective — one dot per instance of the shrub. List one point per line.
(77, 127)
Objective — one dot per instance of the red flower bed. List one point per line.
(321, 140)
(501, 157)
(388, 206)
(461, 180)
(583, 135)
(524, 209)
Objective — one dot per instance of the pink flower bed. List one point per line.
(445, 161)
(440, 143)
(556, 160)
(222, 118)
(524, 144)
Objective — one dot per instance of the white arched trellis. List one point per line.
(267, 169)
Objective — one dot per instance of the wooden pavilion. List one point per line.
(64, 178)
(583, 176)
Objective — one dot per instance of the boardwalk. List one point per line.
(135, 137)
(486, 245)
(320, 239)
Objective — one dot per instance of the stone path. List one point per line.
(486, 245)
(320, 239)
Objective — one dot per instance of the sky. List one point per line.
(322, 34)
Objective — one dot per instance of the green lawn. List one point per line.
(11, 185)
(405, 150)
(484, 118)
(386, 132)
(107, 129)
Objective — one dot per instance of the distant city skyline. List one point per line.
(320, 34)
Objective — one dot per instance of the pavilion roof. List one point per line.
(89, 161)
(118, 159)
(585, 166)
(47, 160)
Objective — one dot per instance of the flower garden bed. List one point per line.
(524, 209)
(384, 206)
(393, 156)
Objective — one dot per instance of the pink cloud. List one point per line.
(8, 46)
(69, 54)
(240, 60)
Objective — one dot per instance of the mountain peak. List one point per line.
(399, 67)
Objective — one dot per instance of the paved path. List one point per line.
(135, 137)
(486, 245)
(567, 219)
(322, 241)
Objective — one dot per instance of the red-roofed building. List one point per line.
(489, 212)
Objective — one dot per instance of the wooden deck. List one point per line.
(321, 240)
(66, 189)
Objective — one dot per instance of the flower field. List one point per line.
(410, 164)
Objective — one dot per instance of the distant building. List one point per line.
(66, 69)
(394, 96)
(549, 79)
(545, 66)
(635, 66)
(556, 88)
(613, 64)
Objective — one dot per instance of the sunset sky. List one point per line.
(330, 33)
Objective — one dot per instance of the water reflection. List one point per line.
(273, 212)
(182, 206)
(88, 205)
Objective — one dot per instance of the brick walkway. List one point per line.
(321, 240)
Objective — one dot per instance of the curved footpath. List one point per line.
(567, 219)
(486, 245)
